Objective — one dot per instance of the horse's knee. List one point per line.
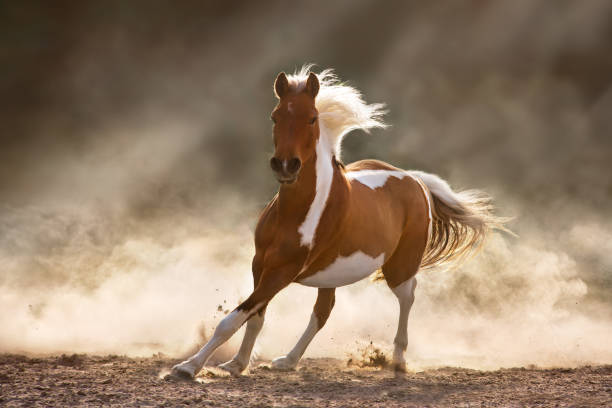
(231, 323)
(254, 304)
(257, 320)
(227, 325)
(265, 290)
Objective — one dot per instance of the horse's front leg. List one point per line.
(322, 308)
(271, 283)
(240, 361)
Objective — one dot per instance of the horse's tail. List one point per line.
(460, 221)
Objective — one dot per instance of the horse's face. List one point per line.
(296, 127)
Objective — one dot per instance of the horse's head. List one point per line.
(296, 126)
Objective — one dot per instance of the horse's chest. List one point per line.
(344, 270)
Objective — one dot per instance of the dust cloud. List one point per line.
(66, 290)
(133, 167)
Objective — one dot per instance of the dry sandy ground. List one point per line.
(121, 381)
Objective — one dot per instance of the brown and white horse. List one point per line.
(332, 225)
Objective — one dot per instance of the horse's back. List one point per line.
(370, 164)
(387, 184)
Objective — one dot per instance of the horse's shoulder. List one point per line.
(370, 164)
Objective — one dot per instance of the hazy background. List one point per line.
(133, 164)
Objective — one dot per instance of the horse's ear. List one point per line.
(281, 85)
(312, 85)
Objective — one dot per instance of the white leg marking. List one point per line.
(226, 328)
(324, 176)
(344, 271)
(241, 360)
(405, 296)
(374, 178)
(290, 361)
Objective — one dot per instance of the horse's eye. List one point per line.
(313, 120)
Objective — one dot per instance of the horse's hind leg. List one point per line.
(322, 309)
(405, 296)
(399, 271)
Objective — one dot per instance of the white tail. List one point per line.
(461, 221)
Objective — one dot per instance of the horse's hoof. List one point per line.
(233, 367)
(399, 367)
(283, 363)
(182, 372)
(177, 377)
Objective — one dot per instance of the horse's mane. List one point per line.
(341, 107)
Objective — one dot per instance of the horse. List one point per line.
(332, 224)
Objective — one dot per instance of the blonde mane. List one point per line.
(341, 107)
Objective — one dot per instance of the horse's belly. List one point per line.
(344, 270)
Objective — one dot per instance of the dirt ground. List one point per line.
(81, 380)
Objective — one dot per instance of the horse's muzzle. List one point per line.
(286, 170)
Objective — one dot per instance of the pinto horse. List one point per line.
(331, 225)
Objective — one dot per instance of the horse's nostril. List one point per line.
(276, 164)
(294, 165)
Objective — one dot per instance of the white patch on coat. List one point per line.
(324, 177)
(374, 178)
(377, 178)
(344, 271)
